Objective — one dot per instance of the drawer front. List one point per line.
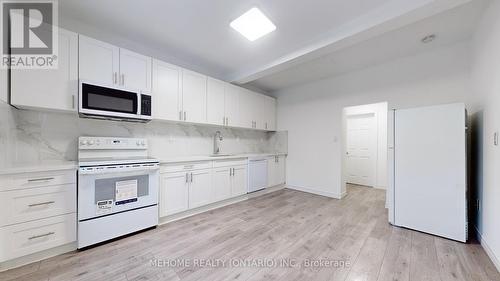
(230, 162)
(31, 237)
(30, 180)
(188, 166)
(24, 205)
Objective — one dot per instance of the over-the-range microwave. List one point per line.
(104, 102)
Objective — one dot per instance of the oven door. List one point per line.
(98, 100)
(104, 194)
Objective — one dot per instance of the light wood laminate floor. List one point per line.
(281, 226)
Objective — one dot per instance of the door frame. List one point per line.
(380, 111)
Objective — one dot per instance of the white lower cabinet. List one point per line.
(174, 193)
(239, 180)
(38, 212)
(200, 188)
(191, 185)
(221, 184)
(276, 170)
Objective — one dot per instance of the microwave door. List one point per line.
(104, 101)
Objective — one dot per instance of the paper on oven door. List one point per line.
(126, 191)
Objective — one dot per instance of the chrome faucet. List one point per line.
(217, 139)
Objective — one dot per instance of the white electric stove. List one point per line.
(117, 188)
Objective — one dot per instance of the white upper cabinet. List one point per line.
(194, 97)
(167, 95)
(216, 102)
(270, 113)
(232, 106)
(99, 62)
(51, 89)
(135, 71)
(260, 111)
(246, 106)
(106, 64)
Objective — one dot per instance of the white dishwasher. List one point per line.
(257, 173)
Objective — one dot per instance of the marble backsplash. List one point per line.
(32, 136)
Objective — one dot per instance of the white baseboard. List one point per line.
(487, 249)
(317, 192)
(36, 257)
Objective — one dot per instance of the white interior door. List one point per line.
(430, 170)
(361, 149)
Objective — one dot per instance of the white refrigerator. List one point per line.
(429, 172)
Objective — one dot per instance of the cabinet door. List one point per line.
(221, 184)
(246, 107)
(270, 114)
(173, 193)
(194, 97)
(200, 188)
(259, 111)
(239, 181)
(166, 91)
(98, 61)
(271, 171)
(135, 71)
(232, 106)
(215, 102)
(281, 170)
(54, 89)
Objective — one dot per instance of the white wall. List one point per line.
(380, 111)
(3, 85)
(312, 112)
(485, 103)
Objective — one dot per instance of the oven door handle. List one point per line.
(144, 170)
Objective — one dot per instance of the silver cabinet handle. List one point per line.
(115, 78)
(180, 115)
(187, 177)
(41, 235)
(266, 125)
(227, 121)
(223, 120)
(185, 116)
(123, 79)
(41, 204)
(191, 177)
(73, 101)
(40, 179)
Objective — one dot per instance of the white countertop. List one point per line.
(43, 166)
(196, 158)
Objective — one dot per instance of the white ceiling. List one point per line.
(197, 33)
(450, 27)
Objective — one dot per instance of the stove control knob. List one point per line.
(83, 142)
(91, 142)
